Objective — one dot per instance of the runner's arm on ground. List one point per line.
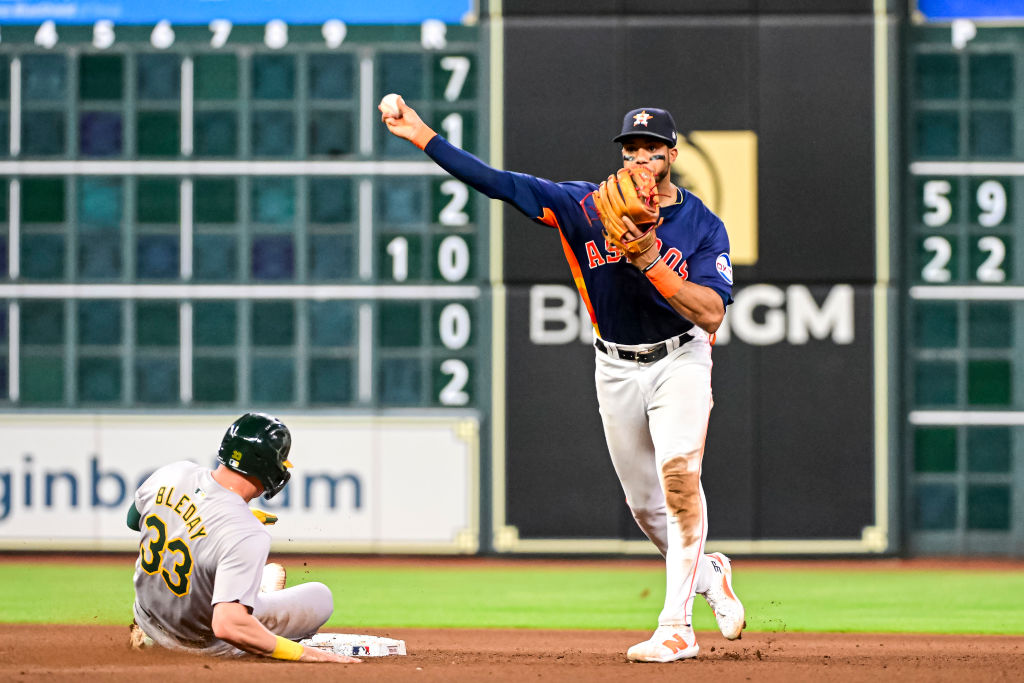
(233, 624)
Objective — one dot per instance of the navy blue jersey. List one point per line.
(624, 306)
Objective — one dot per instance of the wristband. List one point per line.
(423, 136)
(286, 649)
(664, 280)
(651, 264)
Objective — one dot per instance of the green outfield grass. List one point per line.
(591, 596)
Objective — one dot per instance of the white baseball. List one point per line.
(389, 105)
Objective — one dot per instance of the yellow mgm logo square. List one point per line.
(720, 167)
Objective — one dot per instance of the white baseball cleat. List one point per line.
(729, 612)
(668, 644)
(274, 578)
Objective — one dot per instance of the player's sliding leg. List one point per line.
(297, 612)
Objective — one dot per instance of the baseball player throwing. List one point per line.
(651, 263)
(202, 555)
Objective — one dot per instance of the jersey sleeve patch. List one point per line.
(724, 267)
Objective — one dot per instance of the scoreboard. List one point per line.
(963, 258)
(208, 213)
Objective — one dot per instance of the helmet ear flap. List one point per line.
(270, 492)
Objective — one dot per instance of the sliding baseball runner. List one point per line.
(201, 579)
(651, 263)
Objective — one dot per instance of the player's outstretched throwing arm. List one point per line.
(534, 197)
(560, 205)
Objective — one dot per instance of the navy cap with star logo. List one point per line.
(650, 122)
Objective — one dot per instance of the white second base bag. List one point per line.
(354, 645)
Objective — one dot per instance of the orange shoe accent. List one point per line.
(725, 580)
(676, 643)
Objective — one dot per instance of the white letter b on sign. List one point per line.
(554, 317)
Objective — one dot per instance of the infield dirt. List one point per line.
(101, 653)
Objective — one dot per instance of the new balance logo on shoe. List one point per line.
(668, 644)
(676, 643)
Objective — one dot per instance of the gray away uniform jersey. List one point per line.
(200, 545)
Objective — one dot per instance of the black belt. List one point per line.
(651, 354)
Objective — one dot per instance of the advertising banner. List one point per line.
(358, 484)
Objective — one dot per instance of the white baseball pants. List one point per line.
(296, 612)
(655, 420)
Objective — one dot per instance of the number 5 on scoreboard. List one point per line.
(936, 202)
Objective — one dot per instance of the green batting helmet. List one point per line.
(257, 445)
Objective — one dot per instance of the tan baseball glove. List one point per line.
(630, 192)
